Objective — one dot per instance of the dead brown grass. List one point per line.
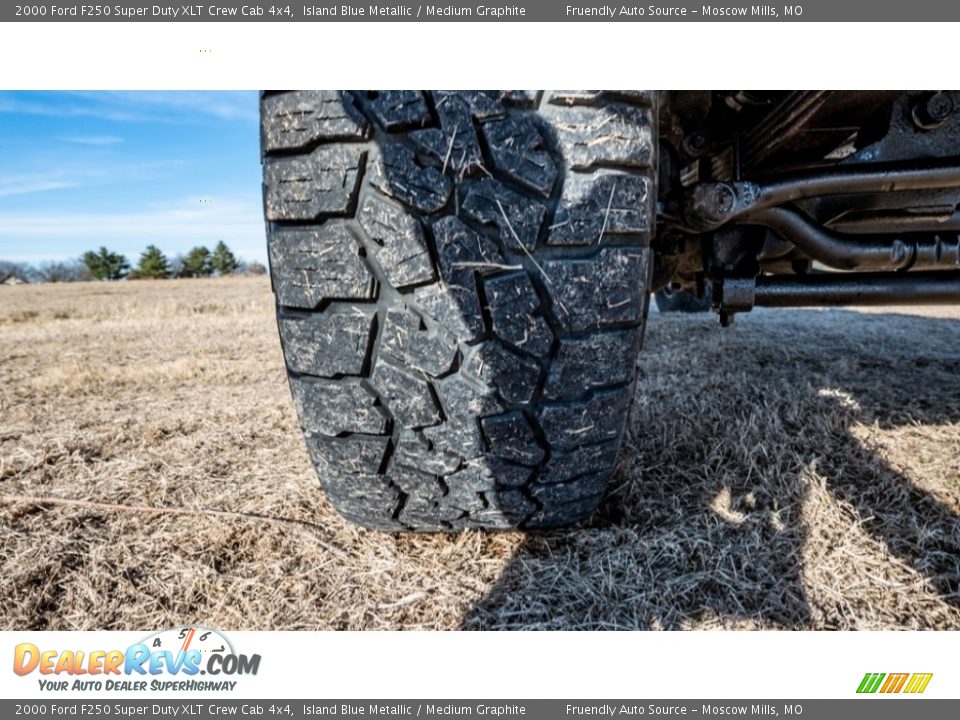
(801, 470)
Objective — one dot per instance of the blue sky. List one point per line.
(127, 169)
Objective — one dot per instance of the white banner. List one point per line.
(593, 665)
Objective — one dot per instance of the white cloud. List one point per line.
(24, 184)
(175, 228)
(219, 104)
(136, 106)
(84, 175)
(99, 140)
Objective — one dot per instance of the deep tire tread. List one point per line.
(481, 312)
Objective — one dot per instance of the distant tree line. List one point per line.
(104, 264)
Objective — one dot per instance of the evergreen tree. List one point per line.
(197, 263)
(105, 265)
(224, 261)
(153, 264)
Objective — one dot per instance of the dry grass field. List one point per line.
(799, 470)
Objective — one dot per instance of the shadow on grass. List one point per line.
(754, 489)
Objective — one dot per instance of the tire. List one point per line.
(682, 301)
(461, 283)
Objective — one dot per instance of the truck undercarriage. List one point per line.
(806, 198)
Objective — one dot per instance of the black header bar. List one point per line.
(510, 11)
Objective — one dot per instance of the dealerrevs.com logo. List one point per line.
(168, 660)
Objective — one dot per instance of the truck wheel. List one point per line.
(682, 301)
(461, 283)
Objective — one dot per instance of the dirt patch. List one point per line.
(799, 470)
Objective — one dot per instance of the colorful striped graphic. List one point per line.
(913, 683)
